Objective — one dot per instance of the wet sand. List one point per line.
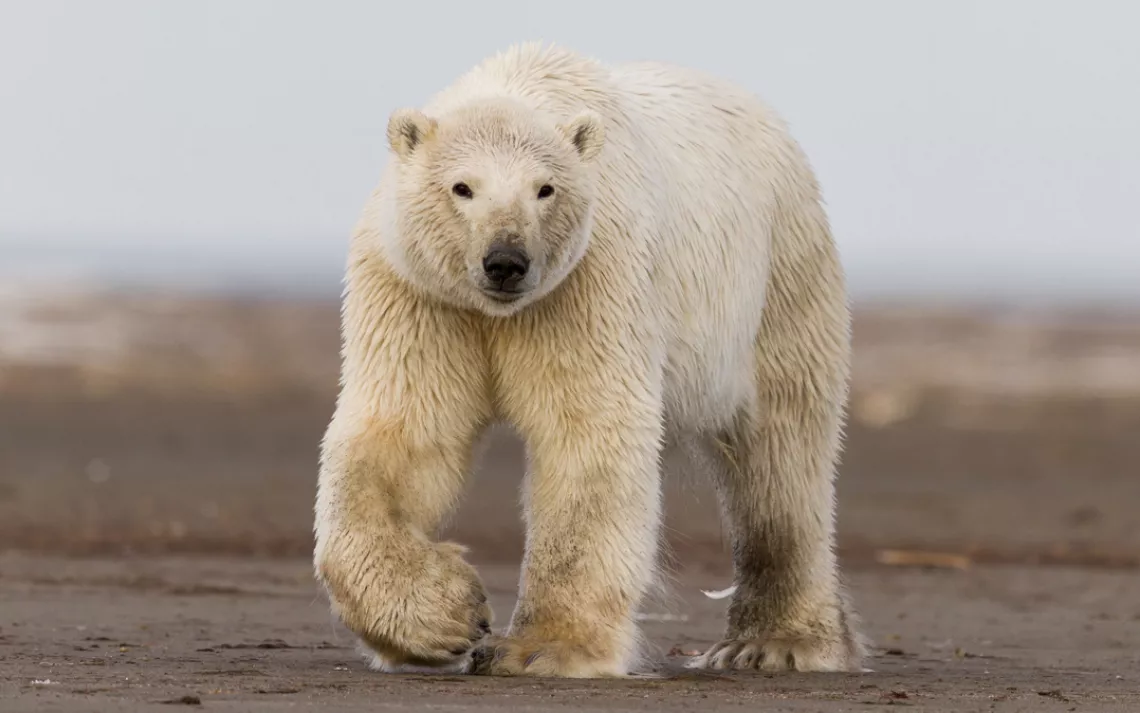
(156, 512)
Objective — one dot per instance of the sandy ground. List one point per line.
(249, 634)
(157, 474)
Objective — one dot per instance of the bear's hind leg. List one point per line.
(774, 468)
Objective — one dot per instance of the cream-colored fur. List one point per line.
(683, 285)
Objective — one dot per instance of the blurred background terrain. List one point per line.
(177, 186)
(157, 422)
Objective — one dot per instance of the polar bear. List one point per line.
(611, 258)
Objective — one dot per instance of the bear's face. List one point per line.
(493, 203)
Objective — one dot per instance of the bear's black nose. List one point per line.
(505, 266)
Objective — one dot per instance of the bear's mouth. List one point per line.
(504, 296)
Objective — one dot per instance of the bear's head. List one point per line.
(492, 201)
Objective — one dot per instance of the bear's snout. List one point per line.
(505, 266)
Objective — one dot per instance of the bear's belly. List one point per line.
(710, 329)
(710, 375)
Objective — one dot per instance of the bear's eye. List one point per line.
(546, 191)
(462, 190)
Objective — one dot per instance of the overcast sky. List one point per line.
(978, 147)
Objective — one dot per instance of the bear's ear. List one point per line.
(587, 133)
(407, 130)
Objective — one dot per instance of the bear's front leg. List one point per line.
(393, 461)
(590, 410)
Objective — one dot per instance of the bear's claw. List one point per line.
(777, 653)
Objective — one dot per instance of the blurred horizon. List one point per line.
(306, 273)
